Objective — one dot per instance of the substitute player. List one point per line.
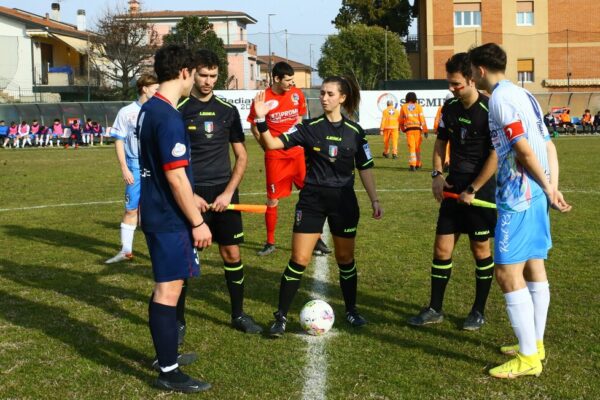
(389, 130)
(126, 147)
(283, 167)
(412, 122)
(335, 146)
(212, 125)
(464, 123)
(527, 184)
(171, 222)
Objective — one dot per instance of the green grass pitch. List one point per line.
(72, 327)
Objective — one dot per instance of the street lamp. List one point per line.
(269, 71)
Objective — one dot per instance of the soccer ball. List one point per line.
(316, 317)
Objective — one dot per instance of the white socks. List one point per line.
(540, 295)
(519, 306)
(127, 232)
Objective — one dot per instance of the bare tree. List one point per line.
(122, 48)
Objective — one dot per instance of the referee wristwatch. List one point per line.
(471, 190)
(436, 173)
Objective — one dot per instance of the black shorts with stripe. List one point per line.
(338, 206)
(226, 227)
(478, 222)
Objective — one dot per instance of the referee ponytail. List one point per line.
(348, 87)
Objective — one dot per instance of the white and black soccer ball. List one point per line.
(316, 317)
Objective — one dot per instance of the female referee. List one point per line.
(334, 146)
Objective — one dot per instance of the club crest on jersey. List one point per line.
(298, 217)
(333, 152)
(463, 135)
(178, 150)
(295, 98)
(209, 127)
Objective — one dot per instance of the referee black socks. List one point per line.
(234, 276)
(290, 282)
(484, 274)
(440, 275)
(348, 284)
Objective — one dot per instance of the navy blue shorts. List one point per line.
(173, 255)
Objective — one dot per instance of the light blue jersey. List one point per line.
(124, 129)
(515, 114)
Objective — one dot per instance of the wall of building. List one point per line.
(15, 63)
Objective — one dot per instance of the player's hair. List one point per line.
(411, 97)
(390, 102)
(490, 56)
(459, 63)
(282, 69)
(170, 60)
(206, 59)
(348, 87)
(35, 120)
(1, 121)
(56, 120)
(143, 81)
(587, 110)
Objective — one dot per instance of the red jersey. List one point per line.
(284, 113)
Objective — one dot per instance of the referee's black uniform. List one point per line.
(470, 145)
(333, 151)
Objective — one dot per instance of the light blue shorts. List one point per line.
(132, 192)
(522, 236)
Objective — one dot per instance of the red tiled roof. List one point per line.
(275, 59)
(197, 13)
(36, 21)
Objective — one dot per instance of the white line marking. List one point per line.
(594, 192)
(315, 370)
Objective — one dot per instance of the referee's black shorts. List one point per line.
(478, 222)
(226, 227)
(317, 203)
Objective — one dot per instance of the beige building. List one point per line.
(552, 45)
(302, 72)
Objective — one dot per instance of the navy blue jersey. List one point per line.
(164, 145)
(332, 151)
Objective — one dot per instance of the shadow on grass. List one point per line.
(82, 337)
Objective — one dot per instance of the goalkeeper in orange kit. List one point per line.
(412, 122)
(389, 130)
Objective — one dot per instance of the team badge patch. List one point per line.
(178, 150)
(295, 98)
(209, 127)
(333, 152)
(367, 151)
(298, 217)
(463, 135)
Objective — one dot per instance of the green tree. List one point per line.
(197, 33)
(395, 14)
(359, 51)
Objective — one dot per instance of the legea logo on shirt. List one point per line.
(178, 150)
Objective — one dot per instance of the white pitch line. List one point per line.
(594, 192)
(315, 370)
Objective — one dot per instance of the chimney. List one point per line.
(81, 26)
(55, 12)
(134, 6)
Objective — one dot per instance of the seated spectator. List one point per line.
(56, 132)
(75, 134)
(34, 132)
(43, 134)
(98, 131)
(87, 134)
(586, 120)
(550, 123)
(596, 122)
(3, 133)
(24, 130)
(13, 133)
(565, 119)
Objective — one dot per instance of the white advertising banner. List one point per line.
(373, 102)
(242, 99)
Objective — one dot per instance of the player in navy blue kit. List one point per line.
(334, 146)
(212, 125)
(170, 219)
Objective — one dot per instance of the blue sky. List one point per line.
(308, 25)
